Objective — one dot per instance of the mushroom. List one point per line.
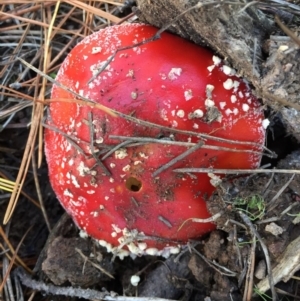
(178, 106)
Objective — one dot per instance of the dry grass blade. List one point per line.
(94, 10)
(7, 185)
(24, 166)
(37, 114)
(13, 260)
(13, 251)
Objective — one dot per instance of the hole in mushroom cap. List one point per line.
(133, 184)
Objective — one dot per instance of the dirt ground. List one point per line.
(254, 252)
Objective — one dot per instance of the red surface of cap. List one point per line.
(170, 82)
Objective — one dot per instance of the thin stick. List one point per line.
(98, 161)
(178, 158)
(235, 171)
(247, 221)
(88, 294)
(38, 190)
(287, 31)
(187, 144)
(139, 121)
(270, 205)
(13, 259)
(250, 272)
(118, 146)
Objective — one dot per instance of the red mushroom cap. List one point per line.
(122, 200)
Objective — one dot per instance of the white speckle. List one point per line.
(209, 103)
(265, 123)
(105, 244)
(222, 105)
(83, 234)
(126, 168)
(85, 57)
(74, 181)
(174, 250)
(142, 246)
(112, 190)
(77, 85)
(214, 179)
(233, 98)
(133, 248)
(130, 73)
(174, 73)
(114, 234)
(228, 112)
(112, 165)
(211, 68)
(81, 92)
(134, 280)
(99, 140)
(134, 95)
(241, 95)
(174, 124)
(71, 162)
(209, 88)
(96, 50)
(90, 191)
(235, 111)
(95, 214)
(122, 254)
(101, 207)
(68, 193)
(228, 84)
(62, 165)
(143, 155)
(208, 91)
(82, 169)
(121, 153)
(69, 146)
(102, 243)
(188, 94)
(283, 48)
(180, 113)
(111, 180)
(195, 126)
(163, 76)
(116, 228)
(106, 198)
(151, 251)
(137, 162)
(198, 113)
(236, 84)
(216, 60)
(82, 199)
(163, 114)
(137, 50)
(245, 107)
(228, 70)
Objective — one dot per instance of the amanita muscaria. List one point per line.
(125, 201)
